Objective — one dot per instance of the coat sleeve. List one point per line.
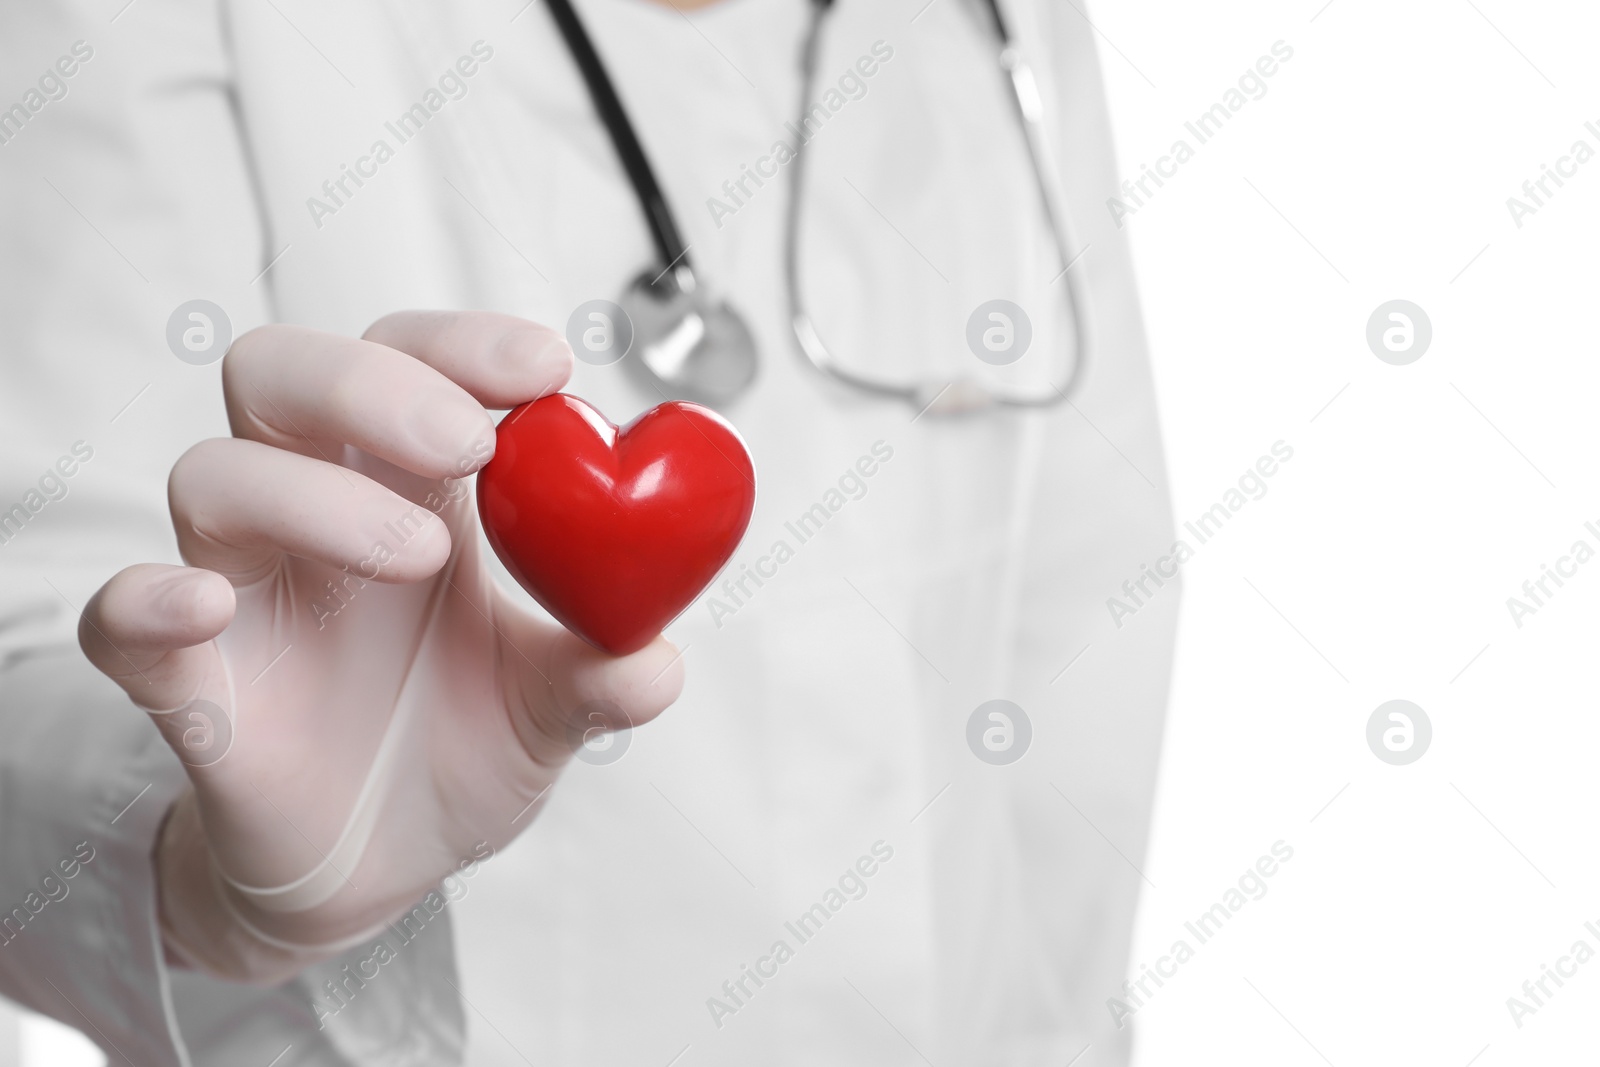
(83, 788)
(127, 182)
(127, 194)
(130, 191)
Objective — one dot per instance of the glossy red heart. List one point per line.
(614, 530)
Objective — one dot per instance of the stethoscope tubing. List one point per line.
(1023, 92)
(658, 215)
(673, 253)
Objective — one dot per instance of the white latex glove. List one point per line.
(360, 708)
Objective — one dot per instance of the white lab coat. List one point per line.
(825, 714)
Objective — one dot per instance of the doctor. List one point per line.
(373, 816)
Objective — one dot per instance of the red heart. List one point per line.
(615, 531)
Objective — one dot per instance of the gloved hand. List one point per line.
(359, 707)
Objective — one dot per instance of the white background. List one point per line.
(1379, 563)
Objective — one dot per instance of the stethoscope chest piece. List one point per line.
(687, 345)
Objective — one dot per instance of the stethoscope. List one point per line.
(688, 345)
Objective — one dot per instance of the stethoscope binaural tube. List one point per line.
(957, 395)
